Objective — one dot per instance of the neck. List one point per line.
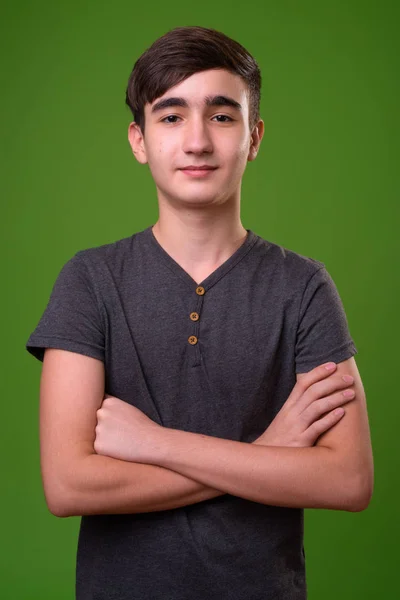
(198, 240)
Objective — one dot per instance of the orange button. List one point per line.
(194, 316)
(200, 290)
(192, 340)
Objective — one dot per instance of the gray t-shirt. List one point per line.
(219, 358)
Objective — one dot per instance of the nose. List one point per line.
(197, 138)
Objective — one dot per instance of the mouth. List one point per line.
(198, 171)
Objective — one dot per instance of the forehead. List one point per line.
(197, 89)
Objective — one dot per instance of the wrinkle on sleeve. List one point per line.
(323, 332)
(71, 320)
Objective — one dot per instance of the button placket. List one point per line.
(195, 317)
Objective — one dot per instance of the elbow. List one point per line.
(58, 509)
(353, 482)
(361, 500)
(361, 486)
(58, 497)
(57, 504)
(64, 489)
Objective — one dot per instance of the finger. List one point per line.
(322, 405)
(321, 425)
(323, 389)
(307, 379)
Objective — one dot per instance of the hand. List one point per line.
(125, 432)
(299, 423)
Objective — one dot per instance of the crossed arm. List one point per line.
(166, 468)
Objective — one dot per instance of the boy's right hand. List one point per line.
(310, 410)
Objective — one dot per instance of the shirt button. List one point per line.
(200, 290)
(192, 340)
(194, 316)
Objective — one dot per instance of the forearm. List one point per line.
(103, 485)
(311, 477)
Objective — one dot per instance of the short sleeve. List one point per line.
(72, 319)
(323, 333)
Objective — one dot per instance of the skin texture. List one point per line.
(199, 219)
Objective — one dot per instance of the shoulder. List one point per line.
(99, 269)
(109, 252)
(293, 267)
(105, 260)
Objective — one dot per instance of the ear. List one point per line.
(255, 141)
(136, 141)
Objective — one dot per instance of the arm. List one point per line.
(336, 473)
(350, 438)
(76, 480)
(104, 485)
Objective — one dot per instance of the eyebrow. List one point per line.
(209, 101)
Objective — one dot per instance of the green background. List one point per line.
(325, 184)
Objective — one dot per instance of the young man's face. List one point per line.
(218, 136)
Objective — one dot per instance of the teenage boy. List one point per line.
(187, 409)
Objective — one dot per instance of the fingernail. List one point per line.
(329, 366)
(348, 393)
(348, 378)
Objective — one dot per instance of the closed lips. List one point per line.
(190, 168)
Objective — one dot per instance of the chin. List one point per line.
(198, 199)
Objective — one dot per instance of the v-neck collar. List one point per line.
(217, 274)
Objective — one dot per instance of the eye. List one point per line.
(164, 120)
(224, 117)
(169, 117)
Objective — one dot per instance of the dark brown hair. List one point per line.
(180, 53)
